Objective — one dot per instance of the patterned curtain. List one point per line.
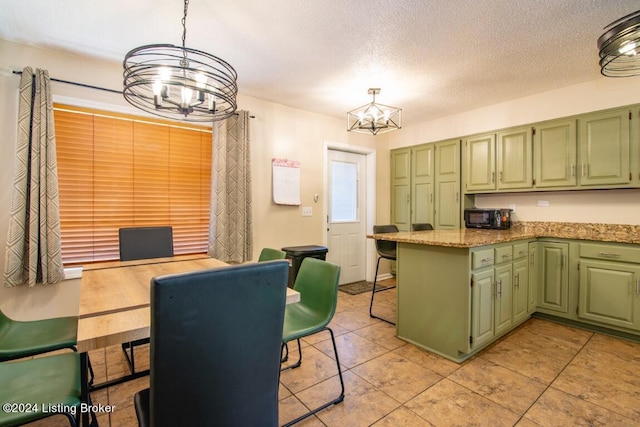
(230, 227)
(33, 253)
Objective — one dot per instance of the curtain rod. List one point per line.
(78, 84)
(88, 86)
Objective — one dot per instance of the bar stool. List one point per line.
(387, 250)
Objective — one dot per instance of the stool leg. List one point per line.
(373, 292)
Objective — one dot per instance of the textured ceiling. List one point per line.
(432, 58)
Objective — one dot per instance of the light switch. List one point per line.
(307, 211)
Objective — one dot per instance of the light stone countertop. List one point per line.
(468, 238)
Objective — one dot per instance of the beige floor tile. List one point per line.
(627, 350)
(316, 367)
(385, 310)
(548, 345)
(291, 408)
(498, 384)
(528, 362)
(382, 334)
(556, 408)
(608, 364)
(428, 360)
(557, 330)
(121, 395)
(353, 350)
(397, 376)
(363, 403)
(402, 417)
(449, 404)
(354, 319)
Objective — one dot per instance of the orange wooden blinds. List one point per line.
(118, 171)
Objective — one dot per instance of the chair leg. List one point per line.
(338, 399)
(373, 292)
(130, 358)
(293, 365)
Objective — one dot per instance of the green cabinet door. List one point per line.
(520, 289)
(532, 299)
(609, 293)
(482, 308)
(603, 139)
(553, 277)
(504, 298)
(401, 188)
(514, 157)
(479, 163)
(422, 183)
(555, 158)
(447, 181)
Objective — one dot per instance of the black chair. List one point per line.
(387, 250)
(421, 226)
(143, 243)
(216, 337)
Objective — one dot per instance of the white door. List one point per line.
(346, 225)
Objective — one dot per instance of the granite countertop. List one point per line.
(467, 238)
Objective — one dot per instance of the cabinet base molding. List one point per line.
(587, 326)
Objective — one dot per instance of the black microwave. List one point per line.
(497, 219)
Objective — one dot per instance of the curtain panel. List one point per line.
(33, 254)
(230, 226)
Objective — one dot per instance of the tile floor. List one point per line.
(541, 374)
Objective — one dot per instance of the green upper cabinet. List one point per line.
(401, 188)
(603, 139)
(555, 156)
(422, 183)
(447, 183)
(513, 154)
(479, 163)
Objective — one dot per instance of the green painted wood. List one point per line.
(514, 159)
(609, 293)
(482, 309)
(479, 163)
(503, 298)
(520, 289)
(401, 188)
(603, 139)
(422, 183)
(555, 155)
(553, 279)
(532, 299)
(447, 181)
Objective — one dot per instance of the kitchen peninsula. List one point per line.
(459, 290)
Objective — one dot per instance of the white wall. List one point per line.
(594, 206)
(276, 131)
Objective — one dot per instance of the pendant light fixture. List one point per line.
(619, 47)
(374, 118)
(180, 83)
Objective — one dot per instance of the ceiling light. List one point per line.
(374, 118)
(180, 83)
(618, 47)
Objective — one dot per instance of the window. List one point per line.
(121, 171)
(344, 191)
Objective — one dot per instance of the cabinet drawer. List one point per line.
(503, 254)
(482, 258)
(520, 250)
(610, 252)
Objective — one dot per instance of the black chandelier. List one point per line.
(619, 47)
(374, 118)
(180, 83)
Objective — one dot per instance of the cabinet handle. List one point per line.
(506, 256)
(638, 287)
(501, 178)
(609, 254)
(499, 288)
(517, 280)
(431, 197)
(493, 177)
(485, 260)
(533, 258)
(522, 253)
(582, 170)
(573, 170)
(457, 197)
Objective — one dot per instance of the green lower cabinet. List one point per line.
(504, 298)
(532, 300)
(610, 293)
(520, 290)
(553, 279)
(482, 310)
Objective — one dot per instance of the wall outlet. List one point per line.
(544, 203)
(307, 211)
(513, 208)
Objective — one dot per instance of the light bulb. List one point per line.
(628, 48)
(186, 94)
(164, 73)
(157, 87)
(201, 80)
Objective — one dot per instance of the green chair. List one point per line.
(269, 254)
(39, 388)
(20, 339)
(317, 282)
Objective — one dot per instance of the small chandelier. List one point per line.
(180, 83)
(374, 118)
(619, 47)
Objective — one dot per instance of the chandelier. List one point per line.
(374, 118)
(180, 83)
(619, 47)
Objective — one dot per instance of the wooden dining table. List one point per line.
(115, 297)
